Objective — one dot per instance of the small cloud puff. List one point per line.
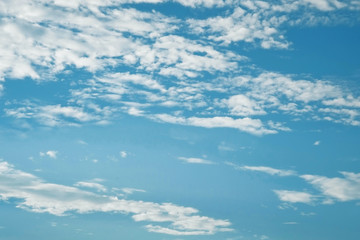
(123, 154)
(50, 153)
(317, 143)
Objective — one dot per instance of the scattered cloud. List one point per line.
(123, 154)
(294, 196)
(131, 190)
(316, 143)
(82, 142)
(337, 189)
(50, 153)
(94, 185)
(253, 126)
(36, 195)
(307, 214)
(330, 190)
(269, 170)
(290, 223)
(195, 160)
(140, 63)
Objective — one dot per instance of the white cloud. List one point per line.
(131, 190)
(33, 194)
(164, 70)
(57, 115)
(294, 196)
(316, 143)
(253, 126)
(243, 106)
(243, 25)
(348, 101)
(195, 160)
(97, 186)
(337, 189)
(123, 154)
(82, 142)
(50, 153)
(268, 170)
(325, 5)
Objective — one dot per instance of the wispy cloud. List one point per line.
(195, 160)
(91, 184)
(290, 223)
(334, 189)
(268, 170)
(36, 195)
(50, 153)
(294, 196)
(131, 190)
(330, 190)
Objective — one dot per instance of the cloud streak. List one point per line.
(35, 195)
(195, 160)
(330, 190)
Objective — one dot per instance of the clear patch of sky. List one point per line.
(317, 51)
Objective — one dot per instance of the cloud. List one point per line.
(330, 190)
(294, 196)
(131, 190)
(268, 170)
(50, 153)
(35, 195)
(97, 186)
(247, 25)
(195, 160)
(325, 5)
(253, 126)
(316, 143)
(243, 106)
(123, 154)
(337, 189)
(140, 63)
(58, 115)
(348, 101)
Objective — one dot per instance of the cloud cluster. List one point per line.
(164, 68)
(33, 194)
(329, 190)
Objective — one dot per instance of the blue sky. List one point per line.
(180, 119)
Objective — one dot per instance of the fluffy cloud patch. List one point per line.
(141, 63)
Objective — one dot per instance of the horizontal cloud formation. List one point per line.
(331, 190)
(35, 195)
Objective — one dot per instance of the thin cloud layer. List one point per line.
(195, 160)
(330, 190)
(35, 195)
(334, 189)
